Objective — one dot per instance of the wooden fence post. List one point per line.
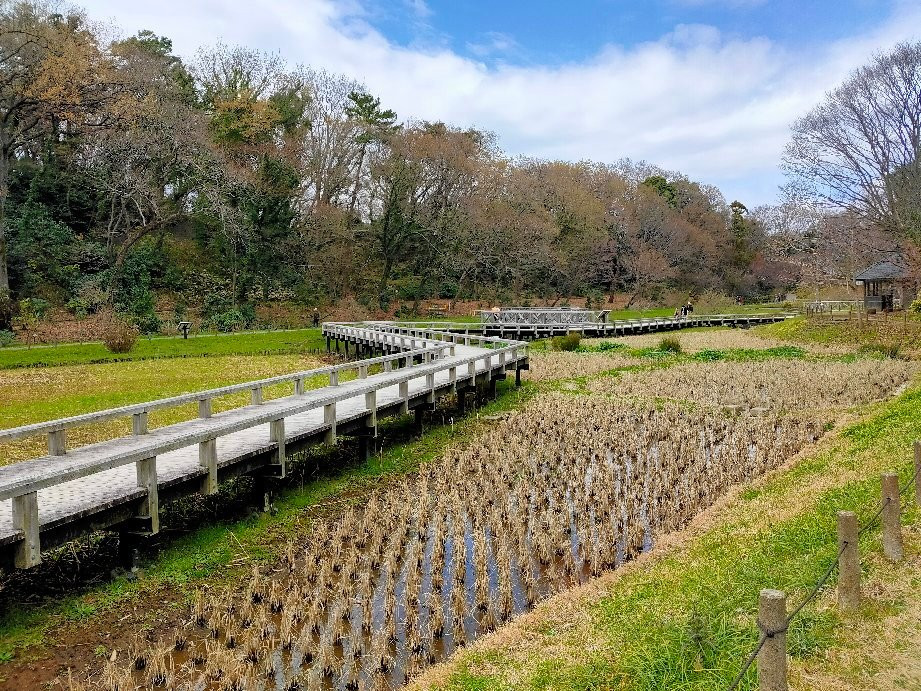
(892, 528)
(204, 407)
(256, 395)
(848, 562)
(918, 472)
(772, 658)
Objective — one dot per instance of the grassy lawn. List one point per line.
(299, 341)
(684, 618)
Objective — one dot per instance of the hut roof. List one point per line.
(883, 271)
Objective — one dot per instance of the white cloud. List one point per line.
(716, 108)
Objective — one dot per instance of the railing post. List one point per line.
(277, 435)
(471, 369)
(207, 459)
(452, 377)
(139, 423)
(147, 480)
(25, 519)
(329, 418)
(772, 658)
(299, 386)
(57, 442)
(848, 562)
(362, 371)
(256, 395)
(430, 387)
(892, 528)
(334, 378)
(204, 407)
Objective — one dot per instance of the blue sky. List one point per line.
(705, 87)
(554, 32)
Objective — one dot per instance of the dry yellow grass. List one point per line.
(774, 384)
(550, 366)
(720, 339)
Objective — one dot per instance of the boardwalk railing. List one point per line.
(438, 355)
(543, 315)
(618, 327)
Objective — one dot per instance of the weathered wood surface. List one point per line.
(94, 478)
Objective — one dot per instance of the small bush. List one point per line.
(568, 343)
(610, 345)
(6, 338)
(670, 344)
(119, 335)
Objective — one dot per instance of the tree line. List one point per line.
(128, 174)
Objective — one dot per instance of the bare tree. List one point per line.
(858, 150)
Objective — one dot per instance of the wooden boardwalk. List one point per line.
(120, 483)
(538, 327)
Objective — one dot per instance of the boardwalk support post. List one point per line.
(277, 435)
(404, 397)
(25, 518)
(207, 458)
(150, 506)
(256, 395)
(892, 528)
(204, 407)
(848, 562)
(329, 418)
(772, 658)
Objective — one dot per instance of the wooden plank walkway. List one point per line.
(612, 329)
(121, 481)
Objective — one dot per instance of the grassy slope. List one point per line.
(219, 555)
(686, 617)
(210, 345)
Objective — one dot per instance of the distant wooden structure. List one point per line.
(887, 285)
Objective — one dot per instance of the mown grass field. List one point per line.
(300, 341)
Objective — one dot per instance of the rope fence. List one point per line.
(773, 619)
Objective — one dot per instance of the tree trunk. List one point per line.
(361, 161)
(6, 306)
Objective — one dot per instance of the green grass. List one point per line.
(687, 621)
(222, 553)
(255, 343)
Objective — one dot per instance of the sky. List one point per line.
(705, 87)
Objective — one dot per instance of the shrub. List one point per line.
(670, 344)
(610, 345)
(569, 342)
(6, 338)
(119, 335)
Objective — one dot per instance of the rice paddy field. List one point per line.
(607, 526)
